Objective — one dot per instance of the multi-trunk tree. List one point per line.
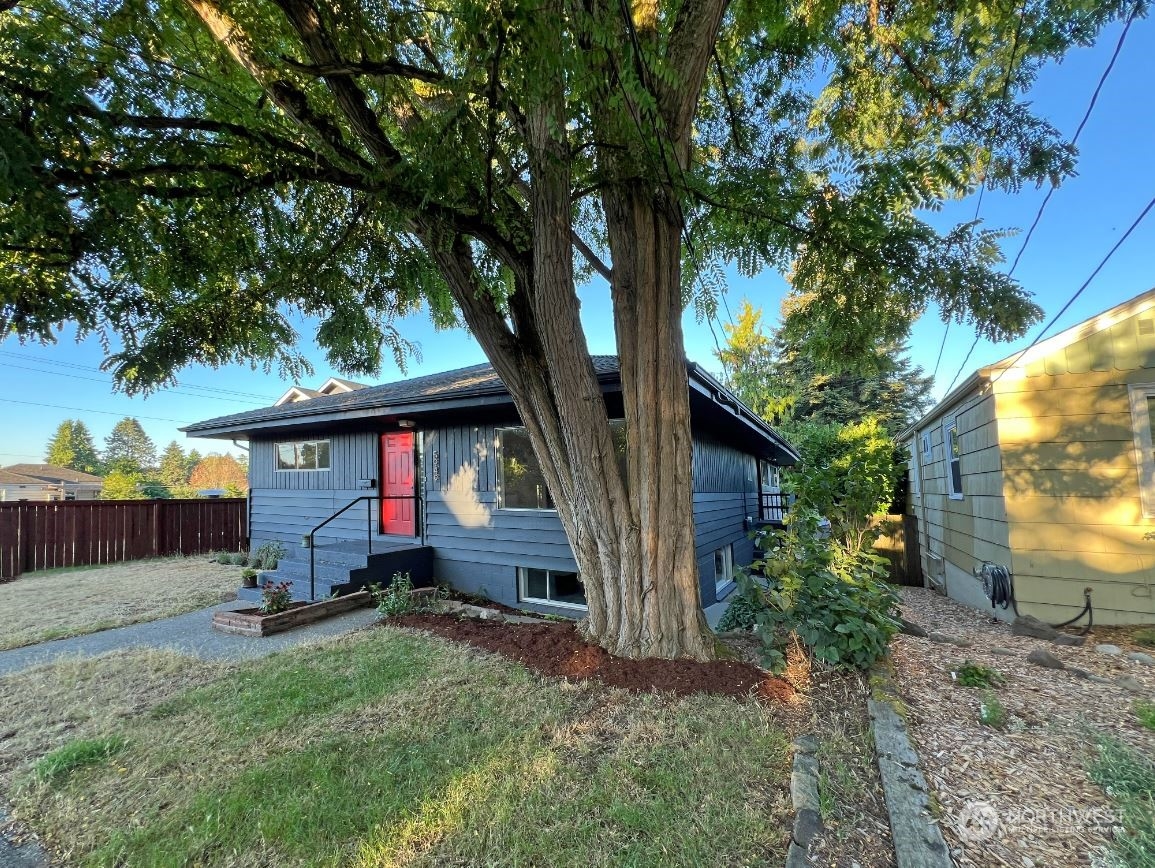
(184, 173)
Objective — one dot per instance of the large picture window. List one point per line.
(305, 455)
(551, 587)
(521, 484)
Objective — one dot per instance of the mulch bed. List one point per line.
(556, 650)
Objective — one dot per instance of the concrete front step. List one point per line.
(299, 570)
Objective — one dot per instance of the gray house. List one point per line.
(434, 475)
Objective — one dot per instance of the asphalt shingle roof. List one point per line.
(476, 380)
(52, 473)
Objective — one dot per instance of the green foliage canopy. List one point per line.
(186, 174)
(128, 449)
(72, 446)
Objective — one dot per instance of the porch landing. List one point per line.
(344, 566)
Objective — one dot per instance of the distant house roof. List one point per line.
(1144, 301)
(7, 477)
(474, 386)
(295, 394)
(335, 385)
(52, 473)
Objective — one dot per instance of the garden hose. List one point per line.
(999, 587)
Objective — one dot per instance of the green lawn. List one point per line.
(388, 748)
(1128, 777)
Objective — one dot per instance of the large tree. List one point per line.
(129, 449)
(186, 172)
(72, 446)
(781, 381)
(220, 471)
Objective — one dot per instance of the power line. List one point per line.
(1075, 138)
(941, 347)
(90, 369)
(1079, 291)
(176, 390)
(83, 410)
(1051, 190)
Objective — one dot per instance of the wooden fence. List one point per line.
(899, 545)
(41, 536)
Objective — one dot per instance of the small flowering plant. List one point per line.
(276, 598)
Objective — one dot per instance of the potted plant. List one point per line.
(249, 578)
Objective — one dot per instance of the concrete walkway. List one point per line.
(190, 634)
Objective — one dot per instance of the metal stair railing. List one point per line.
(368, 498)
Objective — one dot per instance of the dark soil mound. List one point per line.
(558, 651)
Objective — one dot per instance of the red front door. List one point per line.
(398, 484)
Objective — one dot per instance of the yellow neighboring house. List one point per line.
(1044, 463)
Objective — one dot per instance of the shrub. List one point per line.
(1145, 636)
(276, 597)
(395, 598)
(267, 555)
(238, 559)
(1145, 711)
(991, 712)
(832, 596)
(973, 675)
(223, 558)
(741, 614)
(59, 764)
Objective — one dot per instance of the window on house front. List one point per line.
(305, 455)
(723, 566)
(1142, 426)
(521, 483)
(927, 447)
(550, 587)
(953, 454)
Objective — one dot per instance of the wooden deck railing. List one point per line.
(774, 506)
(41, 536)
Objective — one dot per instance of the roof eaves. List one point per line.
(961, 391)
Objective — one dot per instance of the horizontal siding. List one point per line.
(351, 457)
(285, 515)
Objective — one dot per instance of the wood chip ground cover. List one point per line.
(1033, 772)
(55, 604)
(392, 747)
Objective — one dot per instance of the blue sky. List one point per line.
(1084, 218)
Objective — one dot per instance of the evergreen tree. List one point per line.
(779, 379)
(129, 449)
(72, 447)
(174, 466)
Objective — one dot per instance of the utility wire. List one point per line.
(1051, 190)
(83, 410)
(1080, 290)
(1075, 138)
(171, 390)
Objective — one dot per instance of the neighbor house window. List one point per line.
(927, 447)
(307, 455)
(521, 484)
(723, 566)
(1142, 426)
(912, 472)
(551, 587)
(950, 444)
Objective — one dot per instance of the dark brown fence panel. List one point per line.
(41, 536)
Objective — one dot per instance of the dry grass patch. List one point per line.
(54, 604)
(390, 747)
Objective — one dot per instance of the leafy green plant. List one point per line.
(833, 597)
(973, 675)
(267, 555)
(396, 598)
(276, 597)
(1145, 711)
(238, 559)
(223, 557)
(1128, 778)
(991, 711)
(1145, 636)
(741, 614)
(57, 765)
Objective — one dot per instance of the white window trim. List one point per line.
(500, 448)
(1142, 434)
(927, 443)
(915, 473)
(523, 582)
(297, 443)
(724, 581)
(948, 458)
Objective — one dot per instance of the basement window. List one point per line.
(723, 566)
(953, 455)
(1142, 425)
(305, 455)
(550, 587)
